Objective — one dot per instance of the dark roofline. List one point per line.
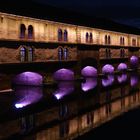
(35, 10)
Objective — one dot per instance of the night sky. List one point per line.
(124, 11)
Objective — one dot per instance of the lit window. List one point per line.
(65, 53)
(30, 54)
(87, 36)
(91, 38)
(60, 53)
(65, 35)
(22, 54)
(60, 36)
(106, 39)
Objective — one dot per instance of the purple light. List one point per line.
(27, 95)
(122, 67)
(122, 78)
(63, 74)
(134, 80)
(28, 78)
(90, 83)
(108, 69)
(89, 71)
(108, 81)
(134, 61)
(64, 88)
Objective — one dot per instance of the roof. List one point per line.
(35, 10)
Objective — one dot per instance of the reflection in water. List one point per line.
(64, 88)
(122, 78)
(90, 83)
(89, 71)
(108, 81)
(27, 95)
(134, 80)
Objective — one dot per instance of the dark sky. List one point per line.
(125, 11)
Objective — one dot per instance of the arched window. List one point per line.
(65, 53)
(121, 41)
(65, 35)
(22, 54)
(106, 39)
(109, 40)
(133, 42)
(60, 36)
(60, 53)
(22, 31)
(87, 36)
(91, 38)
(30, 54)
(30, 32)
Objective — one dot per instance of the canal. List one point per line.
(84, 109)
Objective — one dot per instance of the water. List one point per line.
(69, 110)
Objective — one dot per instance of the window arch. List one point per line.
(121, 40)
(65, 35)
(30, 54)
(60, 36)
(22, 31)
(106, 39)
(22, 54)
(30, 32)
(91, 38)
(65, 53)
(60, 53)
(87, 36)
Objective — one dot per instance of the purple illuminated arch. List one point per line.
(122, 67)
(90, 83)
(134, 61)
(27, 95)
(108, 81)
(89, 71)
(63, 75)
(122, 78)
(108, 69)
(64, 88)
(28, 78)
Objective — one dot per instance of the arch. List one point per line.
(60, 35)
(30, 54)
(122, 67)
(28, 78)
(27, 95)
(87, 37)
(60, 53)
(108, 69)
(89, 71)
(22, 31)
(106, 42)
(22, 54)
(66, 51)
(134, 62)
(30, 32)
(65, 35)
(63, 75)
(91, 38)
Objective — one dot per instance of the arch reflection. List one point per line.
(64, 88)
(134, 80)
(122, 78)
(90, 83)
(27, 95)
(108, 81)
